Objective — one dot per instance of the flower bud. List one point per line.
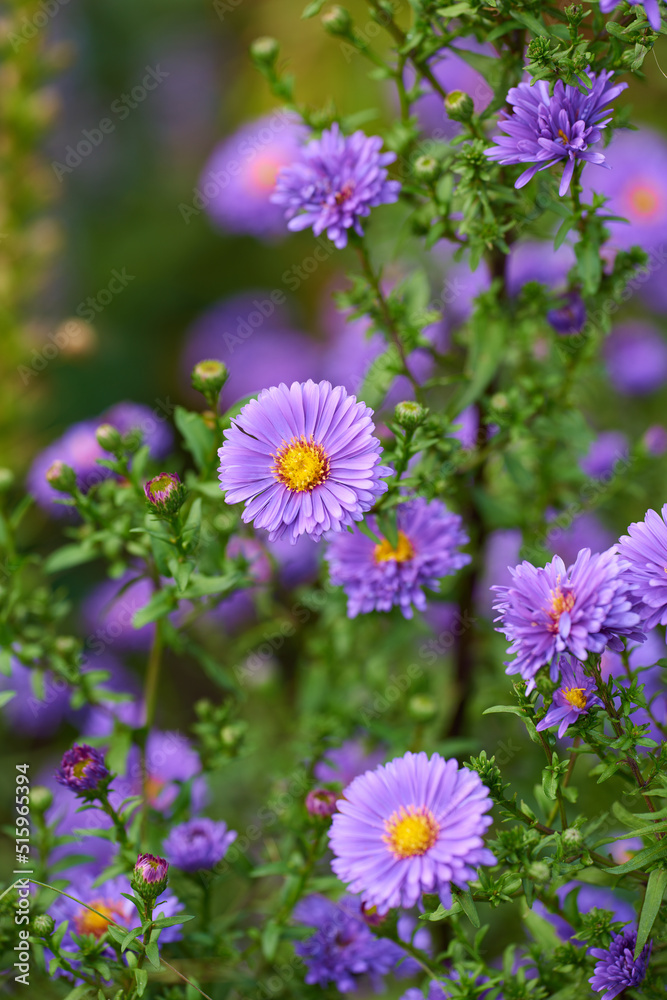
(43, 924)
(6, 479)
(82, 769)
(62, 477)
(209, 377)
(409, 415)
(459, 106)
(572, 839)
(67, 646)
(538, 871)
(264, 51)
(321, 802)
(426, 168)
(109, 438)
(337, 21)
(40, 798)
(165, 493)
(422, 708)
(149, 877)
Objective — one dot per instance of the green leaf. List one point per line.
(78, 992)
(542, 931)
(179, 918)
(270, 940)
(565, 226)
(68, 556)
(642, 858)
(153, 954)
(655, 890)
(160, 604)
(6, 696)
(141, 977)
(468, 906)
(201, 585)
(198, 438)
(609, 770)
(129, 937)
(509, 709)
(312, 9)
(529, 21)
(589, 264)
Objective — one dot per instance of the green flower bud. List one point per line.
(67, 646)
(459, 106)
(538, 871)
(109, 438)
(264, 51)
(538, 49)
(409, 415)
(208, 377)
(426, 168)
(572, 839)
(40, 798)
(150, 876)
(6, 479)
(165, 494)
(62, 477)
(422, 708)
(337, 21)
(43, 924)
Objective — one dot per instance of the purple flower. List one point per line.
(607, 451)
(436, 991)
(343, 948)
(240, 176)
(570, 316)
(378, 576)
(30, 713)
(585, 531)
(645, 549)
(651, 9)
(253, 334)
(536, 260)
(589, 897)
(452, 73)
(335, 183)
(502, 552)
(543, 130)
(636, 358)
(554, 609)
(321, 802)
(150, 872)
(411, 826)
(342, 764)
(199, 843)
(152, 424)
(637, 188)
(303, 459)
(161, 487)
(573, 697)
(108, 610)
(617, 969)
(171, 761)
(82, 769)
(655, 440)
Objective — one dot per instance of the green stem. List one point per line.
(119, 826)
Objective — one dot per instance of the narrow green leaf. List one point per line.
(641, 859)
(468, 906)
(153, 955)
(655, 890)
(141, 977)
(197, 437)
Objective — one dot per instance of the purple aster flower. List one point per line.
(646, 655)
(436, 991)
(253, 334)
(378, 576)
(543, 130)
(637, 188)
(536, 260)
(645, 549)
(554, 609)
(77, 448)
(171, 762)
(342, 764)
(651, 9)
(151, 868)
(567, 537)
(108, 610)
(335, 183)
(152, 424)
(411, 826)
(452, 73)
(108, 900)
(240, 176)
(343, 948)
(617, 969)
(655, 440)
(569, 316)
(199, 843)
(82, 769)
(636, 358)
(573, 697)
(298, 562)
(303, 459)
(607, 451)
(30, 713)
(502, 553)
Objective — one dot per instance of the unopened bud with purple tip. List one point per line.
(62, 477)
(165, 493)
(321, 802)
(83, 770)
(149, 877)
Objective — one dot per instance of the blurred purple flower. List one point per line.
(108, 610)
(342, 764)
(452, 73)
(589, 897)
(536, 260)
(570, 316)
(155, 431)
(545, 129)
(606, 453)
(171, 761)
(198, 844)
(334, 183)
(240, 176)
(636, 358)
(655, 440)
(28, 714)
(651, 9)
(585, 531)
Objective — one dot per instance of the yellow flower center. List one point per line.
(384, 551)
(153, 788)
(161, 483)
(87, 922)
(264, 172)
(575, 696)
(79, 768)
(644, 200)
(411, 831)
(560, 602)
(301, 465)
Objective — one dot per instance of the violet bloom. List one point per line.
(651, 9)
(198, 844)
(303, 459)
(452, 73)
(589, 897)
(162, 488)
(636, 358)
(569, 317)
(334, 183)
(436, 991)
(27, 713)
(553, 609)
(150, 423)
(567, 537)
(574, 696)
(543, 130)
(411, 826)
(502, 552)
(342, 764)
(240, 175)
(343, 949)
(150, 872)
(617, 969)
(655, 440)
(82, 769)
(378, 576)
(607, 451)
(255, 336)
(536, 260)
(645, 549)
(108, 610)
(171, 762)
(77, 448)
(321, 802)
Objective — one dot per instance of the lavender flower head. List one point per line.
(27, 712)
(573, 697)
(545, 129)
(198, 844)
(342, 764)
(82, 769)
(651, 9)
(378, 576)
(569, 316)
(607, 451)
(554, 609)
(617, 969)
(411, 826)
(303, 459)
(152, 425)
(645, 549)
(636, 359)
(335, 183)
